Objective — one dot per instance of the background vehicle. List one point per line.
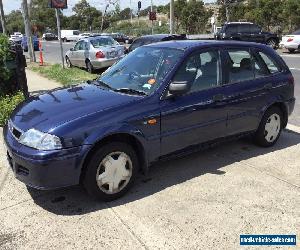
(94, 52)
(291, 42)
(121, 38)
(70, 35)
(83, 35)
(16, 38)
(249, 32)
(144, 40)
(35, 41)
(49, 37)
(162, 100)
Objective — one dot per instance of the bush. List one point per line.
(7, 105)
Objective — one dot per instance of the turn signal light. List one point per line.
(290, 40)
(100, 54)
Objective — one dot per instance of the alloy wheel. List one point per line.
(272, 128)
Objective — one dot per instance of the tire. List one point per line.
(270, 127)
(272, 43)
(105, 188)
(89, 67)
(291, 50)
(68, 62)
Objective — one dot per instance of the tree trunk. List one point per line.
(2, 18)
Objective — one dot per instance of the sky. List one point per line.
(10, 5)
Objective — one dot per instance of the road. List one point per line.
(52, 55)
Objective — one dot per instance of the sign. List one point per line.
(58, 4)
(139, 5)
(152, 15)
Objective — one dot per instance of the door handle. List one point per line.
(218, 98)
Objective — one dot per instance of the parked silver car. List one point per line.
(94, 53)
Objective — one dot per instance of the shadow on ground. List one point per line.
(75, 201)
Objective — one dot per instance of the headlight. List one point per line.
(39, 140)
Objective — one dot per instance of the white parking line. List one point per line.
(294, 69)
(293, 56)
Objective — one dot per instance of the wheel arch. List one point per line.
(117, 137)
(283, 109)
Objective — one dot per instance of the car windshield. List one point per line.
(142, 70)
(103, 41)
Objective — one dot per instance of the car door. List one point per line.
(73, 56)
(199, 115)
(246, 89)
(256, 34)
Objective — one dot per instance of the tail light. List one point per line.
(290, 40)
(100, 54)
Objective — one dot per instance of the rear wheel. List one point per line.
(270, 127)
(291, 50)
(111, 171)
(272, 43)
(89, 67)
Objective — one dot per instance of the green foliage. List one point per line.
(7, 105)
(15, 22)
(64, 76)
(5, 56)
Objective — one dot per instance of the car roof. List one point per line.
(186, 44)
(90, 38)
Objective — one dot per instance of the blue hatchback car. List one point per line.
(160, 101)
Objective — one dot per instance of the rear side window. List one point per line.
(255, 28)
(240, 66)
(244, 28)
(231, 29)
(270, 63)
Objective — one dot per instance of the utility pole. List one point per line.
(2, 18)
(171, 17)
(28, 30)
(151, 20)
(59, 37)
(130, 12)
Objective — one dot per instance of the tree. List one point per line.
(2, 17)
(88, 17)
(42, 17)
(15, 22)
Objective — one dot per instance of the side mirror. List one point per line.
(71, 49)
(179, 88)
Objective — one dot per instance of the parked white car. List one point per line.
(83, 35)
(16, 37)
(94, 52)
(70, 35)
(291, 42)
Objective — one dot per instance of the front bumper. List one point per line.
(43, 169)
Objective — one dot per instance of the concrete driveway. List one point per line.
(204, 201)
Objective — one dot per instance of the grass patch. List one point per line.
(64, 76)
(7, 105)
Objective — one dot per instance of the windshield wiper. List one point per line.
(100, 83)
(130, 91)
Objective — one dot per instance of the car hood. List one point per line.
(54, 108)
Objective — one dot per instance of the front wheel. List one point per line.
(111, 171)
(68, 62)
(89, 67)
(270, 128)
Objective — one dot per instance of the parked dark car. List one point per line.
(249, 32)
(144, 40)
(49, 37)
(161, 101)
(35, 41)
(121, 38)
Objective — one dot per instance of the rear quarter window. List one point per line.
(271, 64)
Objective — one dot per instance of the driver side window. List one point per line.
(77, 46)
(200, 70)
